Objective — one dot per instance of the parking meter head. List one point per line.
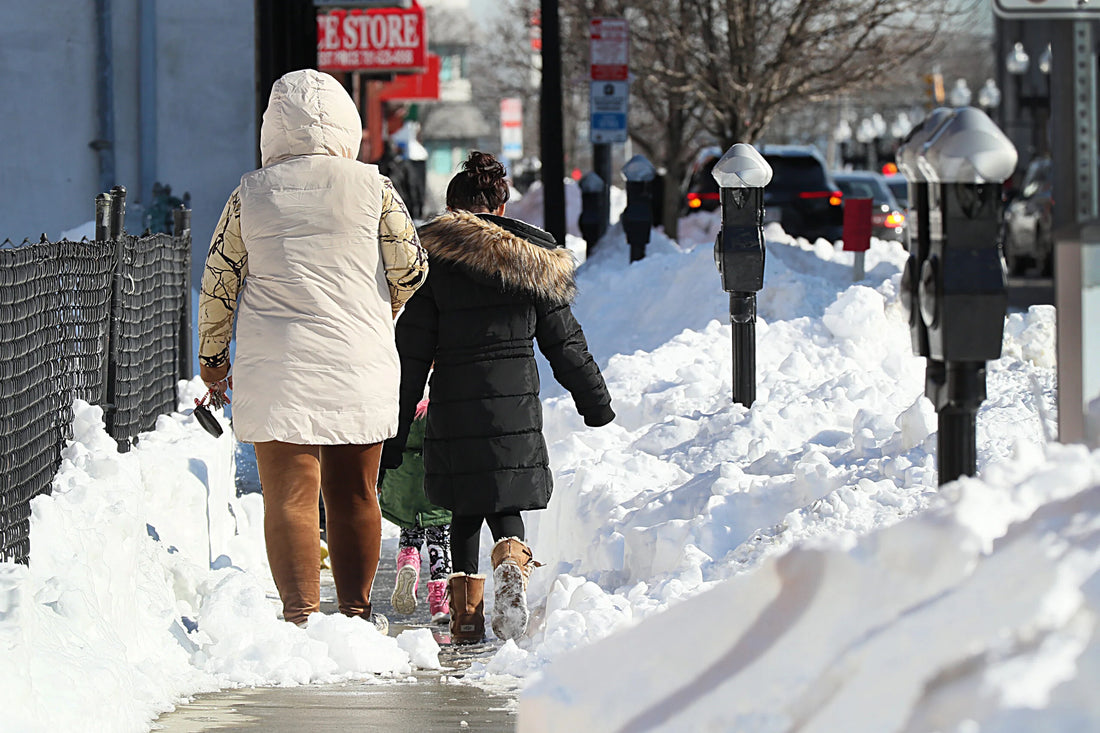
(911, 148)
(742, 167)
(968, 148)
(591, 183)
(639, 168)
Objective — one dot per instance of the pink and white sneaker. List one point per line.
(438, 603)
(408, 579)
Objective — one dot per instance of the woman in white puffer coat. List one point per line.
(322, 254)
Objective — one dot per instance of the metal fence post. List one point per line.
(102, 217)
(181, 221)
(110, 406)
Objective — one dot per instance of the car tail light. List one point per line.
(835, 197)
(695, 200)
(895, 219)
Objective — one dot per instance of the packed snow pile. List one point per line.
(979, 614)
(148, 583)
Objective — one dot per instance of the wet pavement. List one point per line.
(433, 703)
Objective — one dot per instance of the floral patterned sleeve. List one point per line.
(405, 260)
(226, 269)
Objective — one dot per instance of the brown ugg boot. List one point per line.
(512, 566)
(467, 594)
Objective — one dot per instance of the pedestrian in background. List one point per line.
(497, 286)
(423, 525)
(323, 255)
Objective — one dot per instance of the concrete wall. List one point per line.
(205, 100)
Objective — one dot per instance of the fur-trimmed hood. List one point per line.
(514, 255)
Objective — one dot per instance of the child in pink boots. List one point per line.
(401, 497)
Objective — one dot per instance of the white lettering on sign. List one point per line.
(328, 28)
(383, 39)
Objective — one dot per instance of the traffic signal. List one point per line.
(933, 90)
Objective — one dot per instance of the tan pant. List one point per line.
(346, 476)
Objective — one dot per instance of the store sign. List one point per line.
(391, 40)
(413, 87)
(1046, 9)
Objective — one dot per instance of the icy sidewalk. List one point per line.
(427, 700)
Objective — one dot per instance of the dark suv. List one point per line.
(802, 197)
(699, 191)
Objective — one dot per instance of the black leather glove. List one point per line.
(599, 416)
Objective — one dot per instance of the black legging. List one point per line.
(466, 536)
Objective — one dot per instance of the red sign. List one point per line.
(609, 48)
(381, 39)
(413, 87)
(857, 225)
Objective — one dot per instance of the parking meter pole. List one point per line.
(741, 174)
(590, 221)
(637, 217)
(601, 163)
(743, 323)
(964, 392)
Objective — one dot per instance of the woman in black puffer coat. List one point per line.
(496, 286)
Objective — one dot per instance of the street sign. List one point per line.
(1047, 9)
(609, 48)
(608, 103)
(511, 128)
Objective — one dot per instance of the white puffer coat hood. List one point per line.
(309, 113)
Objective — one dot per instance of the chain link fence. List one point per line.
(107, 322)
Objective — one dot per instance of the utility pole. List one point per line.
(550, 127)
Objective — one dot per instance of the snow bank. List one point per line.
(978, 614)
(148, 583)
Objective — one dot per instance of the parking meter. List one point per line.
(591, 220)
(741, 174)
(917, 242)
(637, 217)
(962, 294)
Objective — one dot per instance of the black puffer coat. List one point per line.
(495, 285)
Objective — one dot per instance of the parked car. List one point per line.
(899, 186)
(802, 197)
(1027, 222)
(887, 215)
(699, 191)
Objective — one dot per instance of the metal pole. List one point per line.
(550, 130)
(956, 450)
(103, 234)
(743, 321)
(110, 406)
(181, 219)
(601, 163)
(1073, 104)
(103, 217)
(104, 144)
(147, 97)
(118, 211)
